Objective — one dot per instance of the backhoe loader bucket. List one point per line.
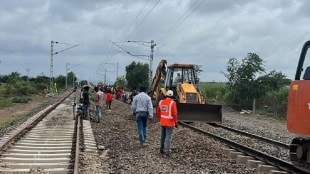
(200, 112)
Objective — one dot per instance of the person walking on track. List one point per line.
(168, 116)
(99, 99)
(142, 107)
(86, 101)
(109, 99)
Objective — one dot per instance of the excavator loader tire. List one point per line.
(299, 150)
(200, 112)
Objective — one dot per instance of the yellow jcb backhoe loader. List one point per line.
(182, 80)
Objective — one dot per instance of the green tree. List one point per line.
(137, 75)
(198, 70)
(42, 79)
(41, 82)
(274, 87)
(242, 82)
(4, 78)
(83, 82)
(24, 78)
(13, 77)
(121, 81)
(60, 81)
(276, 100)
(71, 79)
(273, 81)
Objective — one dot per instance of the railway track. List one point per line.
(267, 140)
(48, 142)
(276, 162)
(269, 159)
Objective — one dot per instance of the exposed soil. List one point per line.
(20, 108)
(13, 116)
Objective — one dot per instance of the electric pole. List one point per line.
(144, 43)
(105, 76)
(67, 64)
(28, 69)
(51, 61)
(116, 68)
(51, 66)
(151, 60)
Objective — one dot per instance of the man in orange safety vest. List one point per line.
(168, 116)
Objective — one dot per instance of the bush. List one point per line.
(277, 101)
(41, 86)
(20, 88)
(214, 92)
(20, 99)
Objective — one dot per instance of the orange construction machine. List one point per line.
(182, 80)
(298, 113)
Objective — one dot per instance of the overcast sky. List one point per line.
(204, 32)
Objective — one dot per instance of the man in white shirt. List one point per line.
(142, 107)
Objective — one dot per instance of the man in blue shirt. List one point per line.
(142, 107)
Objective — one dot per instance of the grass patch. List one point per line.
(8, 121)
(4, 102)
(214, 92)
(21, 99)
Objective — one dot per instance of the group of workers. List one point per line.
(103, 96)
(142, 108)
(166, 112)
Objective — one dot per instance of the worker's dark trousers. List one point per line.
(165, 139)
(109, 104)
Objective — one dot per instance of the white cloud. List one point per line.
(215, 32)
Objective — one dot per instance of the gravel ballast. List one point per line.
(121, 153)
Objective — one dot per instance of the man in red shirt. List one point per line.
(109, 99)
(168, 116)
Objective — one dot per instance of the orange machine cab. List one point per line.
(298, 113)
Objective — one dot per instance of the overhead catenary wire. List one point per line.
(139, 24)
(136, 18)
(126, 51)
(177, 22)
(143, 19)
(193, 8)
(66, 49)
(64, 43)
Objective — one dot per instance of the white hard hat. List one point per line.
(169, 93)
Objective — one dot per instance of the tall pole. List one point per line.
(150, 57)
(151, 60)
(72, 79)
(66, 75)
(51, 67)
(28, 69)
(116, 70)
(51, 62)
(105, 76)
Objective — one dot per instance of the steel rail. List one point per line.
(267, 140)
(77, 146)
(289, 167)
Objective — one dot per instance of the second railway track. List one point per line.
(269, 159)
(46, 146)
